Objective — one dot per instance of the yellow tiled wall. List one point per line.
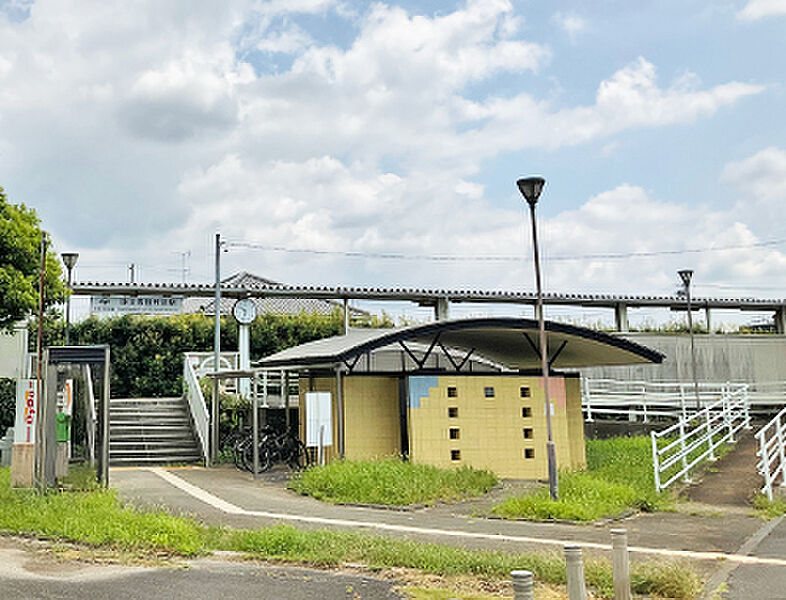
(372, 417)
(491, 429)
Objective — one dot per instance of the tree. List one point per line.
(20, 260)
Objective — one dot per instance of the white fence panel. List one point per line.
(696, 436)
(772, 452)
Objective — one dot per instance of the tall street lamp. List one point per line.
(530, 188)
(686, 275)
(69, 260)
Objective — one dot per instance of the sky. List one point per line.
(317, 135)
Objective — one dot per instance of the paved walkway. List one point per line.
(30, 573)
(225, 496)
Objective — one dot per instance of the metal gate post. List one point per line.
(685, 477)
(655, 461)
(765, 462)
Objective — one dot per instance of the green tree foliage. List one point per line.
(20, 257)
(147, 352)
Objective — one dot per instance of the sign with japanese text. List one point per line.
(140, 305)
(26, 411)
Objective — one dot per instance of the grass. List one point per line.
(618, 477)
(391, 482)
(97, 519)
(769, 509)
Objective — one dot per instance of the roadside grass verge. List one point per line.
(391, 482)
(97, 519)
(618, 477)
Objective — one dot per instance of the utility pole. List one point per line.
(40, 426)
(131, 269)
(216, 356)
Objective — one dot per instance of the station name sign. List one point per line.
(111, 305)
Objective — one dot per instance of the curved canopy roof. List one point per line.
(510, 342)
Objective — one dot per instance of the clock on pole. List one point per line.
(244, 311)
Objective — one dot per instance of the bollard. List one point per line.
(522, 585)
(575, 571)
(620, 564)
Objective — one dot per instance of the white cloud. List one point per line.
(570, 23)
(138, 129)
(760, 9)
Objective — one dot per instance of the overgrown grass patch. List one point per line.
(390, 482)
(769, 509)
(96, 518)
(667, 579)
(619, 476)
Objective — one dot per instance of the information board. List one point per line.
(319, 413)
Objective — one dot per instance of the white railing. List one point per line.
(196, 404)
(92, 416)
(646, 399)
(772, 452)
(692, 439)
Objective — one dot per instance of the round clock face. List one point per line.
(244, 311)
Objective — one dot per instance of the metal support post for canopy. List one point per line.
(255, 424)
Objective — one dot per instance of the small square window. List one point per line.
(452, 392)
(528, 433)
(524, 391)
(454, 433)
(455, 455)
(526, 412)
(488, 392)
(452, 412)
(529, 452)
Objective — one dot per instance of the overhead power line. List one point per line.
(499, 258)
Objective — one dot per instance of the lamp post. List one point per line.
(686, 275)
(69, 260)
(530, 188)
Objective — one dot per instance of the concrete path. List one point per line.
(732, 480)
(30, 574)
(235, 499)
(749, 582)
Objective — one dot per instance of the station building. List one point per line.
(453, 393)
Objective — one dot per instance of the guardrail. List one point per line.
(772, 452)
(646, 399)
(696, 436)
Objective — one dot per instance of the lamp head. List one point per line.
(685, 275)
(530, 188)
(69, 259)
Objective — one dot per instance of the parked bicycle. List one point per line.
(274, 447)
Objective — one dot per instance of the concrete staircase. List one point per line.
(151, 431)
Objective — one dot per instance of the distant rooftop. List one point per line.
(275, 305)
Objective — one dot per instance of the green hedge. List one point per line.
(147, 352)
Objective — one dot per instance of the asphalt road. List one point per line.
(761, 582)
(35, 575)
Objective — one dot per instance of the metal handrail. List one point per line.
(650, 399)
(772, 452)
(712, 426)
(197, 405)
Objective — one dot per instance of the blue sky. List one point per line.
(138, 130)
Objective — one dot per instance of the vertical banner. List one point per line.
(26, 411)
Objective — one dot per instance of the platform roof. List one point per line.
(510, 342)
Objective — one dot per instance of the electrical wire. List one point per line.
(501, 258)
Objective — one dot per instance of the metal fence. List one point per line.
(646, 399)
(678, 449)
(772, 452)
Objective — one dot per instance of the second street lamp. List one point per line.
(69, 260)
(530, 188)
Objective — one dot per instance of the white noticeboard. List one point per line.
(26, 411)
(319, 412)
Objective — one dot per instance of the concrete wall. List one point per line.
(744, 358)
(13, 352)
